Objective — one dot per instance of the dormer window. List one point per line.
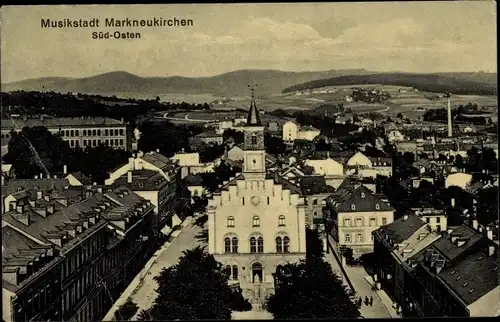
(353, 207)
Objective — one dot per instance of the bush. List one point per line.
(126, 311)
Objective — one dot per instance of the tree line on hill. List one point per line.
(32, 103)
(460, 114)
(423, 82)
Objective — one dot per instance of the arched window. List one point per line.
(260, 245)
(256, 221)
(281, 220)
(253, 245)
(227, 245)
(286, 244)
(254, 139)
(279, 244)
(231, 245)
(353, 207)
(230, 219)
(235, 244)
(227, 271)
(235, 272)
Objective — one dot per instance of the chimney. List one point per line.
(65, 169)
(475, 224)
(129, 177)
(39, 195)
(453, 202)
(131, 164)
(491, 250)
(450, 129)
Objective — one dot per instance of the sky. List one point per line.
(421, 37)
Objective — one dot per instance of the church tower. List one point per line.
(254, 163)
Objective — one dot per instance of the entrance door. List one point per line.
(257, 273)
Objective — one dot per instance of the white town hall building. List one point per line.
(255, 224)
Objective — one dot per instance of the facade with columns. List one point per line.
(254, 223)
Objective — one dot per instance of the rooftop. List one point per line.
(59, 121)
(401, 229)
(364, 201)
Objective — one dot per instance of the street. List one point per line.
(145, 294)
(362, 288)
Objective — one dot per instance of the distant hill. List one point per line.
(457, 83)
(229, 84)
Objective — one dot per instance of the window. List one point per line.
(315, 201)
(281, 220)
(260, 245)
(121, 141)
(373, 222)
(99, 132)
(121, 131)
(234, 242)
(359, 238)
(377, 207)
(347, 238)
(227, 270)
(347, 222)
(427, 220)
(279, 244)
(438, 228)
(94, 132)
(235, 272)
(286, 244)
(227, 245)
(111, 142)
(254, 139)
(353, 207)
(384, 221)
(106, 132)
(268, 200)
(253, 245)
(93, 142)
(243, 201)
(438, 220)
(77, 133)
(230, 221)
(116, 132)
(256, 221)
(359, 222)
(67, 132)
(116, 142)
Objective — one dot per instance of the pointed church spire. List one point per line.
(253, 118)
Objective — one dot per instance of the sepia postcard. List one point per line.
(249, 161)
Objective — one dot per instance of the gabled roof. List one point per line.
(364, 201)
(159, 160)
(401, 229)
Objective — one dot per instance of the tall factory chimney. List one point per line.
(450, 129)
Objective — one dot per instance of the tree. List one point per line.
(274, 145)
(126, 311)
(487, 205)
(309, 289)
(237, 136)
(195, 288)
(399, 116)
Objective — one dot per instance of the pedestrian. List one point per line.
(366, 300)
(360, 302)
(371, 301)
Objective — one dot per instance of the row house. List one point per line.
(353, 214)
(71, 262)
(452, 274)
(156, 178)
